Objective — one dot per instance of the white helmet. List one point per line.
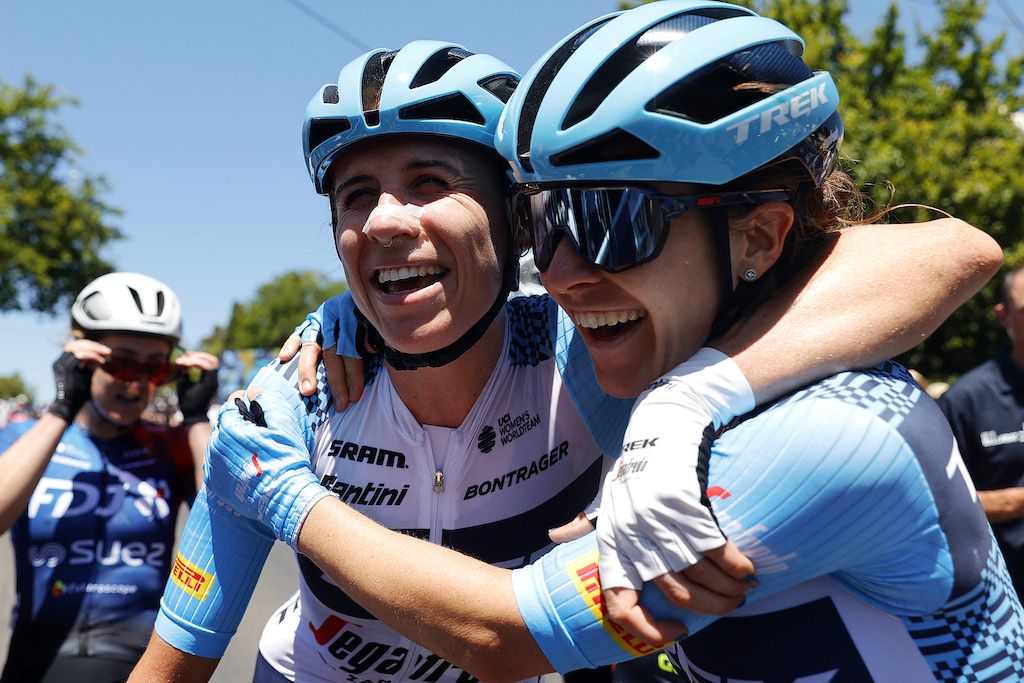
(128, 302)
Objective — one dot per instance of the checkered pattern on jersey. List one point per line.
(531, 325)
(319, 406)
(887, 390)
(979, 636)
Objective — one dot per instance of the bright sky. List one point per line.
(193, 111)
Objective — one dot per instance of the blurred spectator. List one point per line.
(986, 411)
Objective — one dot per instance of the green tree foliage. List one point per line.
(928, 121)
(53, 222)
(13, 385)
(265, 321)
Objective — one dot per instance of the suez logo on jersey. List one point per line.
(357, 654)
(511, 428)
(89, 551)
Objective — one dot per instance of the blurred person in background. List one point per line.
(90, 490)
(986, 410)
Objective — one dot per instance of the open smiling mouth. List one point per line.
(608, 325)
(408, 278)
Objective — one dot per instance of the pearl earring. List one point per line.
(750, 275)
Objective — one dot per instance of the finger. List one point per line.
(289, 348)
(337, 379)
(309, 358)
(235, 394)
(692, 597)
(577, 528)
(709, 575)
(731, 561)
(253, 392)
(87, 351)
(354, 368)
(624, 609)
(198, 359)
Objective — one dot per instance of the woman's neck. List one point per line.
(444, 396)
(98, 426)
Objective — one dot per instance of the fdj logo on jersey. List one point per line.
(358, 655)
(61, 498)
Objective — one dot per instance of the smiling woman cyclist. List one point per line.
(90, 491)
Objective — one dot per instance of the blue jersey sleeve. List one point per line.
(829, 482)
(220, 557)
(606, 417)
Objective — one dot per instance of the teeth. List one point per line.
(595, 320)
(405, 272)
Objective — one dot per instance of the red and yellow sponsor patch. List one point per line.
(585, 577)
(191, 578)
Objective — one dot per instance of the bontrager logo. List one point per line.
(367, 494)
(520, 474)
(486, 439)
(371, 455)
(796, 107)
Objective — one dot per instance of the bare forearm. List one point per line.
(198, 437)
(458, 607)
(881, 290)
(22, 465)
(162, 663)
(1002, 505)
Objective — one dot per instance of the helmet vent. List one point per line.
(330, 95)
(95, 306)
(626, 59)
(501, 86)
(323, 129)
(539, 87)
(138, 300)
(615, 145)
(715, 91)
(454, 106)
(374, 73)
(437, 65)
(159, 304)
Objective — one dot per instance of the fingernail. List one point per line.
(742, 602)
(306, 384)
(751, 579)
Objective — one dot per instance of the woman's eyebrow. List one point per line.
(354, 180)
(432, 163)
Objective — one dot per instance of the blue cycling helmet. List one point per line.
(657, 93)
(427, 87)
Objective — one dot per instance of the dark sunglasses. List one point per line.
(131, 370)
(612, 228)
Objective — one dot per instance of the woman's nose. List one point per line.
(567, 270)
(391, 220)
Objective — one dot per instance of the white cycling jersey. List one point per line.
(521, 463)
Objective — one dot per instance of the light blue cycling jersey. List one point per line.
(874, 558)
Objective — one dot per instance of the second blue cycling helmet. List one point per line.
(636, 96)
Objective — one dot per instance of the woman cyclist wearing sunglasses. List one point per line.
(91, 491)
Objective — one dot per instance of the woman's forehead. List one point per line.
(374, 158)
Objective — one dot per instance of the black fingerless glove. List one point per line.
(194, 397)
(73, 386)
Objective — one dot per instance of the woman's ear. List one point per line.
(756, 240)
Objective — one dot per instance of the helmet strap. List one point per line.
(735, 299)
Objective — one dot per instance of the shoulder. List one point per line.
(532, 322)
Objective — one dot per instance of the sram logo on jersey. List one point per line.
(190, 578)
(584, 574)
(357, 655)
(89, 551)
(365, 494)
(371, 455)
(518, 475)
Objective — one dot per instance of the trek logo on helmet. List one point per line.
(800, 105)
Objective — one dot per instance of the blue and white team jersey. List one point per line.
(93, 548)
(874, 559)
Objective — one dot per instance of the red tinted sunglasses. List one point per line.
(131, 370)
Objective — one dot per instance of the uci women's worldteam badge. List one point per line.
(191, 578)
